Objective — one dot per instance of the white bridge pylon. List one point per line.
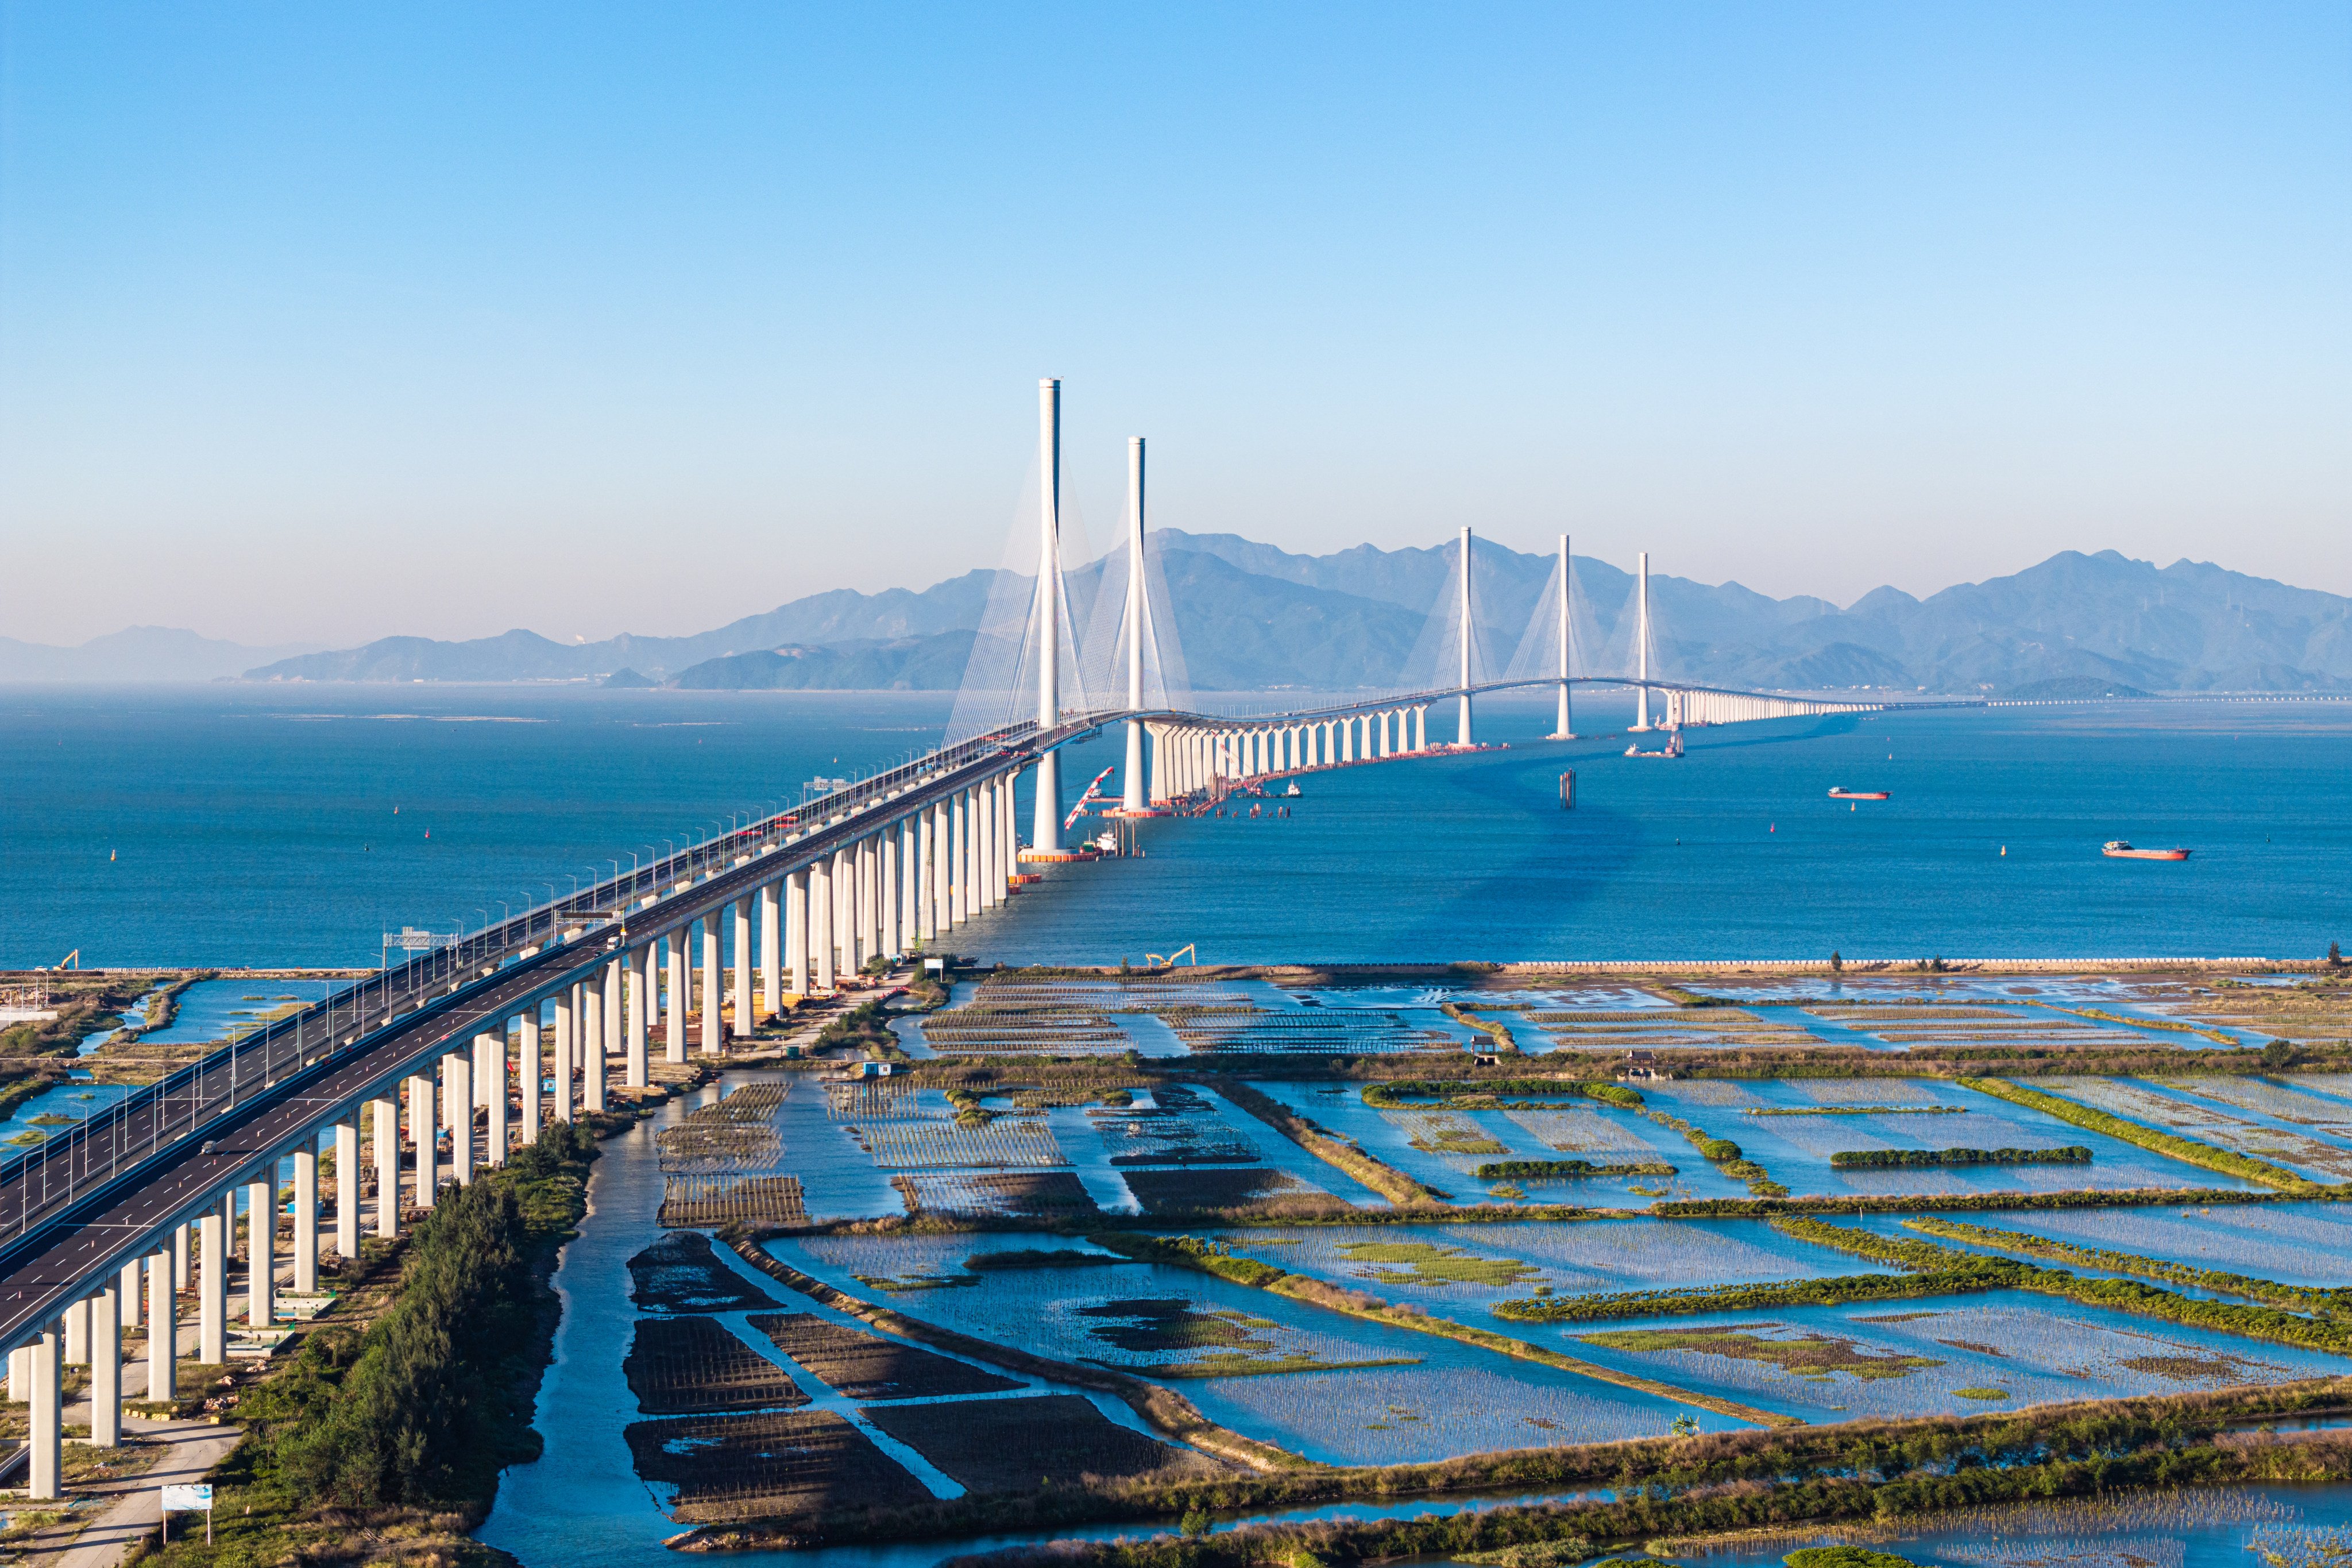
(1056, 643)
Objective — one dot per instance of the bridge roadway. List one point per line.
(88, 1201)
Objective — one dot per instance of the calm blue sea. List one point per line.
(236, 825)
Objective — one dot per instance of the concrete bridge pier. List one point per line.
(306, 1218)
(869, 900)
(821, 922)
(458, 1111)
(771, 949)
(796, 936)
(211, 1290)
(714, 987)
(347, 1189)
(641, 1001)
(1008, 834)
(567, 1009)
(909, 882)
(490, 1080)
(162, 1328)
(959, 860)
(943, 865)
(183, 1248)
(47, 1418)
(261, 1250)
(590, 1039)
(106, 1368)
(133, 1272)
(610, 1043)
(989, 812)
(388, 1168)
(926, 928)
(745, 997)
(527, 1071)
(591, 1077)
(77, 1326)
(674, 1011)
(421, 1133)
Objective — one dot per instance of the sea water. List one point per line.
(294, 825)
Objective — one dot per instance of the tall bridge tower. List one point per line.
(1046, 829)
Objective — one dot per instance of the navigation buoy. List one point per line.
(2004, 851)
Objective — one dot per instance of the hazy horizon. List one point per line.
(322, 326)
(283, 645)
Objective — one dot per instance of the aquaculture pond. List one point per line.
(1444, 1146)
(1793, 1128)
(2000, 1349)
(2295, 1244)
(2308, 1133)
(1461, 1270)
(1187, 1142)
(583, 1501)
(1319, 1383)
(1176, 1014)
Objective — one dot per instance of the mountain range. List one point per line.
(1251, 616)
(138, 653)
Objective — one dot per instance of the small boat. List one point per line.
(1293, 790)
(1839, 791)
(2121, 849)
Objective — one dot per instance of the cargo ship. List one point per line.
(1839, 791)
(2121, 849)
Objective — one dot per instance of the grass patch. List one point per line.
(1812, 1355)
(1983, 1393)
(1427, 1263)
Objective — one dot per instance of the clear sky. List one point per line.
(326, 322)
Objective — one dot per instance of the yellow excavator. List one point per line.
(1155, 962)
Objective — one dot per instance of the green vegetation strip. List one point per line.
(1384, 1179)
(1856, 1110)
(1930, 1261)
(1492, 1093)
(1875, 1158)
(2167, 1144)
(1569, 1170)
(1941, 1203)
(1692, 1301)
(2088, 1451)
(1493, 1028)
(2166, 1024)
(2295, 1298)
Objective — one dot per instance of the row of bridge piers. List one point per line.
(911, 878)
(1195, 759)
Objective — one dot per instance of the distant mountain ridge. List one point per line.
(138, 653)
(1254, 616)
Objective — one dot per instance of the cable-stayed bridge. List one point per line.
(489, 1036)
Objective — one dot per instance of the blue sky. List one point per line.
(323, 322)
